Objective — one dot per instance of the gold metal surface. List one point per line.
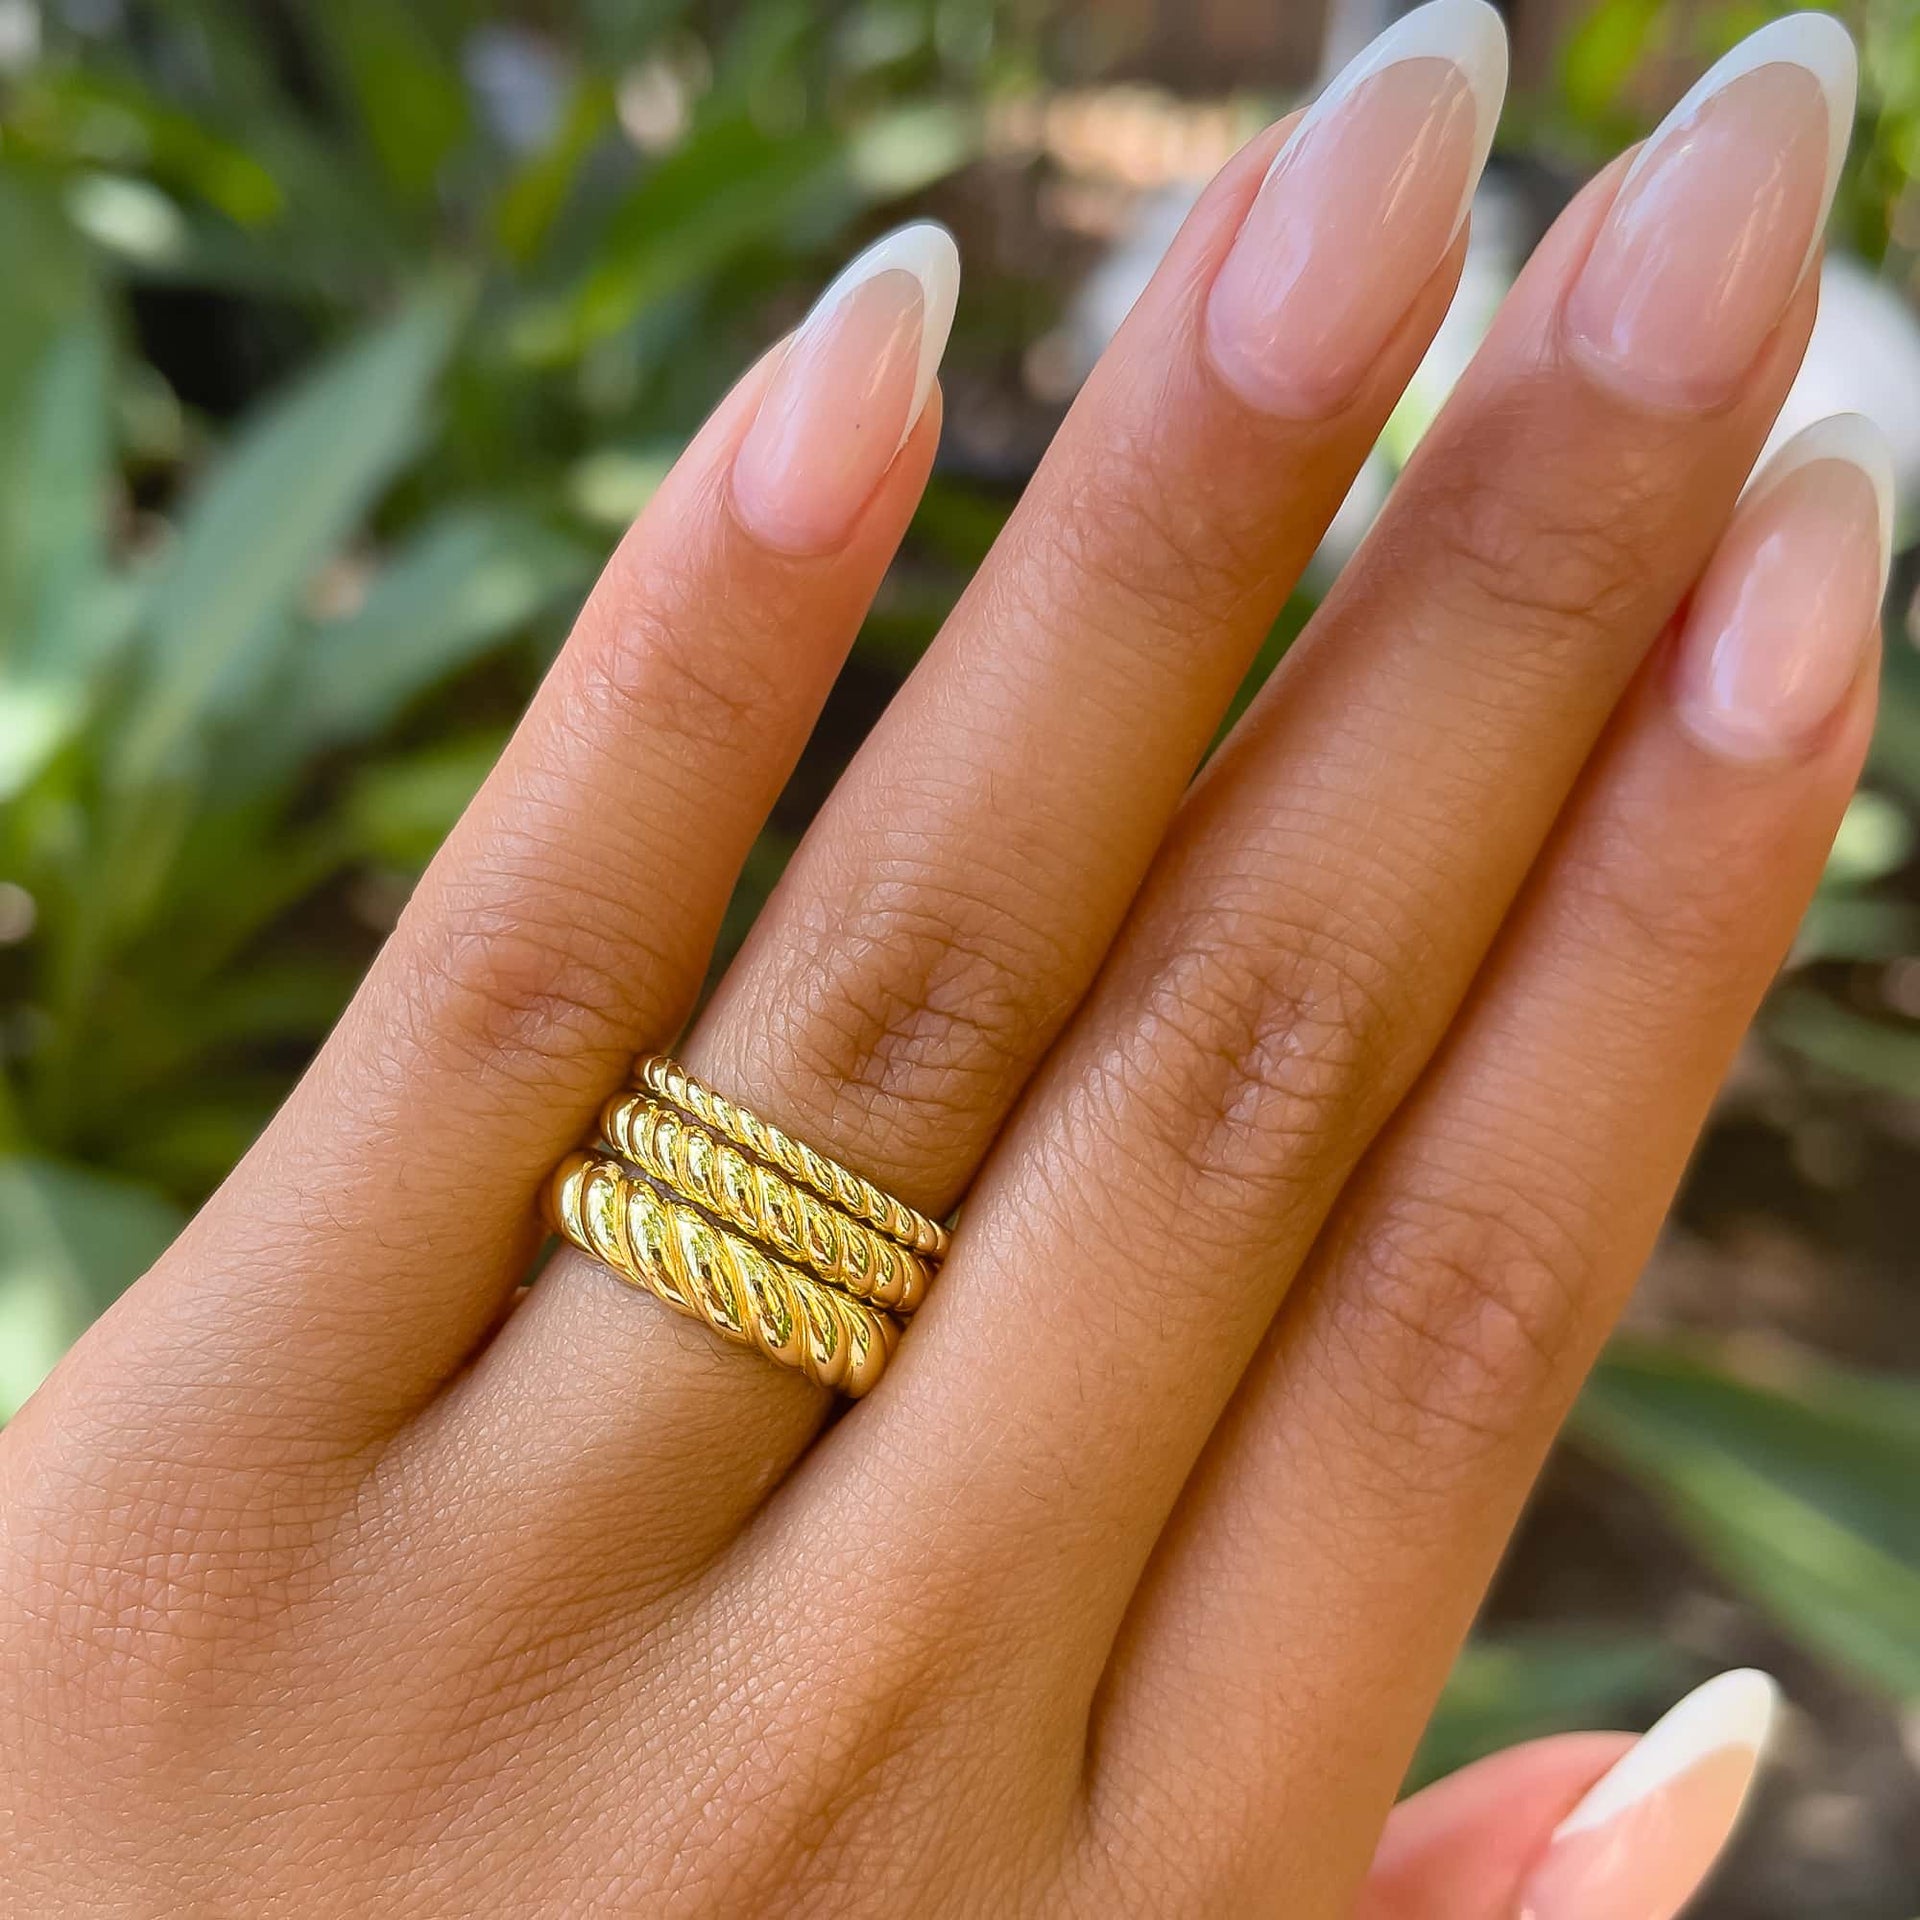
(658, 1243)
(713, 1174)
(666, 1080)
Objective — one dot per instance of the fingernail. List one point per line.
(1780, 623)
(1647, 1834)
(1357, 210)
(1718, 217)
(848, 392)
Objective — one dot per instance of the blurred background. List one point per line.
(340, 338)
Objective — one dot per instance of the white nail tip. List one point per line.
(1851, 437)
(1815, 41)
(1469, 33)
(1737, 1710)
(926, 250)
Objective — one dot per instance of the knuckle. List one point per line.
(1258, 1046)
(1153, 554)
(1555, 557)
(921, 1007)
(1666, 903)
(703, 681)
(519, 977)
(1463, 1308)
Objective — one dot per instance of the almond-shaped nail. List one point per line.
(848, 392)
(1718, 218)
(1357, 210)
(1645, 1837)
(1787, 610)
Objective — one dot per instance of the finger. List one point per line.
(1378, 1454)
(369, 1239)
(1328, 893)
(950, 906)
(1461, 1848)
(1586, 1825)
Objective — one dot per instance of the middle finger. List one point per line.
(1332, 885)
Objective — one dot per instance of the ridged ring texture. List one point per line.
(667, 1080)
(713, 1174)
(657, 1243)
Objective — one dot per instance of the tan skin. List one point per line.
(1313, 1121)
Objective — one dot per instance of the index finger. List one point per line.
(370, 1237)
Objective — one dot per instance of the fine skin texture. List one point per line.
(1313, 1118)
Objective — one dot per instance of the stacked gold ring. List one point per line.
(669, 1081)
(675, 1150)
(722, 1216)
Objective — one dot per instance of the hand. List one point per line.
(1312, 1119)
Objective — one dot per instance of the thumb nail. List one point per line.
(1643, 1840)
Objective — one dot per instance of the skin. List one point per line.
(1308, 1145)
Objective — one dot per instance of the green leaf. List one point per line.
(1604, 51)
(300, 479)
(1875, 1053)
(533, 200)
(472, 577)
(1521, 1686)
(1841, 925)
(1798, 1490)
(401, 810)
(1875, 837)
(70, 1241)
(59, 547)
(612, 485)
(55, 443)
(1896, 738)
(728, 185)
(905, 151)
(409, 96)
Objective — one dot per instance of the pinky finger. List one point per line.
(1583, 1827)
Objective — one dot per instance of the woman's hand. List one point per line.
(1313, 1121)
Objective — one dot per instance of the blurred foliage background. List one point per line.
(338, 338)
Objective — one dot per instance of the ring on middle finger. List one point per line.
(711, 1173)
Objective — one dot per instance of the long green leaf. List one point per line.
(62, 557)
(730, 185)
(471, 578)
(409, 95)
(301, 478)
(398, 811)
(70, 1240)
(1875, 1053)
(53, 424)
(1803, 1493)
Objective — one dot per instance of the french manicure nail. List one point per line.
(1784, 616)
(1357, 210)
(1647, 1834)
(1718, 217)
(848, 392)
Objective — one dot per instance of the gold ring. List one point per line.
(743, 1293)
(669, 1081)
(675, 1151)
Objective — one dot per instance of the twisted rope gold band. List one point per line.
(669, 1081)
(762, 1202)
(685, 1260)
